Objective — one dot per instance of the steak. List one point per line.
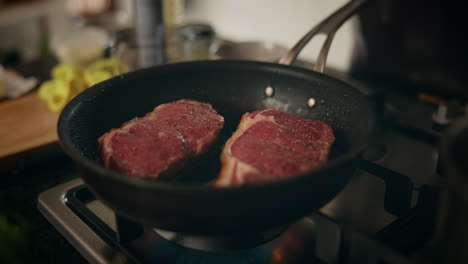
(162, 141)
(271, 145)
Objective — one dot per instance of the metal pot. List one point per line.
(416, 43)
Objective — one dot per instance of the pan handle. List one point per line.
(328, 26)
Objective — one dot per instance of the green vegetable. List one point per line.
(13, 239)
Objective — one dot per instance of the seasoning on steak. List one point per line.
(162, 141)
(270, 145)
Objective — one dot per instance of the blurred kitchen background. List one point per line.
(415, 42)
(22, 28)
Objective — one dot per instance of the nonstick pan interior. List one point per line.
(233, 88)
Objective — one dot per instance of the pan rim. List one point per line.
(185, 189)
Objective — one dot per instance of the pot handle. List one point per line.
(328, 26)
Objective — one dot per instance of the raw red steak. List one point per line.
(162, 141)
(270, 145)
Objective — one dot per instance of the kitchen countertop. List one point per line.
(26, 124)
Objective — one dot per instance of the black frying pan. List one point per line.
(233, 88)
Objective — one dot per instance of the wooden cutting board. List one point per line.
(26, 124)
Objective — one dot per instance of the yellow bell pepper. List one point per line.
(68, 80)
(57, 94)
(66, 72)
(103, 70)
(93, 77)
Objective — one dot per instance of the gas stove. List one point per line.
(93, 229)
(386, 213)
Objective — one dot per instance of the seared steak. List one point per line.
(162, 141)
(270, 145)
